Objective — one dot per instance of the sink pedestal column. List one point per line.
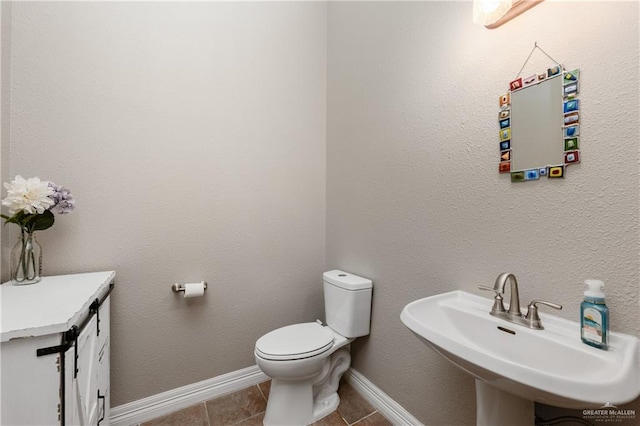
(495, 407)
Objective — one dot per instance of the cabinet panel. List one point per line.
(27, 378)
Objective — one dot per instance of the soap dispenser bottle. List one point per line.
(594, 316)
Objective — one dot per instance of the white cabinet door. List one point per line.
(83, 405)
(104, 358)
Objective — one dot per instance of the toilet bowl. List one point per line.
(306, 361)
(304, 381)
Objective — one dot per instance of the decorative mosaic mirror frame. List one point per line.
(570, 129)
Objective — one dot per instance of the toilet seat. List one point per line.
(295, 341)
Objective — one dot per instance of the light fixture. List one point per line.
(493, 13)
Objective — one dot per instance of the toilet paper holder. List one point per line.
(180, 287)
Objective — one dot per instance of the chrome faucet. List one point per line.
(514, 302)
(514, 315)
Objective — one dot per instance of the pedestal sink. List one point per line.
(515, 366)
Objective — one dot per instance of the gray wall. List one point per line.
(414, 198)
(5, 106)
(193, 138)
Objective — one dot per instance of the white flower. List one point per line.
(28, 195)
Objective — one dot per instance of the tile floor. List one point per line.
(246, 408)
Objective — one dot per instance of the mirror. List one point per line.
(536, 128)
(539, 125)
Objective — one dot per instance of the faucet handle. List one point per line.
(532, 313)
(498, 306)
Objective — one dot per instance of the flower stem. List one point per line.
(27, 261)
(23, 258)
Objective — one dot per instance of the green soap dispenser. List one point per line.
(594, 316)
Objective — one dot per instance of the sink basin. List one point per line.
(551, 366)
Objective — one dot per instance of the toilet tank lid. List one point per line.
(346, 280)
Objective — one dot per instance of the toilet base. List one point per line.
(296, 403)
(299, 411)
(325, 407)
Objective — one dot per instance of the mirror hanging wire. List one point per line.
(535, 46)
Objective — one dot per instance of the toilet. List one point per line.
(306, 361)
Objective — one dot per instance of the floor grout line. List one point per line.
(206, 412)
(248, 418)
(262, 393)
(367, 416)
(345, 422)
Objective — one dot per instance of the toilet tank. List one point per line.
(347, 303)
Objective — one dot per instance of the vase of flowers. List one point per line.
(32, 204)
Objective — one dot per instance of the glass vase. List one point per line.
(26, 260)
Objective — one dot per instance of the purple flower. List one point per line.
(64, 202)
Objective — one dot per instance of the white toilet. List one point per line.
(306, 361)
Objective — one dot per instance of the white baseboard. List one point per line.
(389, 408)
(176, 399)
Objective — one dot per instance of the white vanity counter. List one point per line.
(51, 306)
